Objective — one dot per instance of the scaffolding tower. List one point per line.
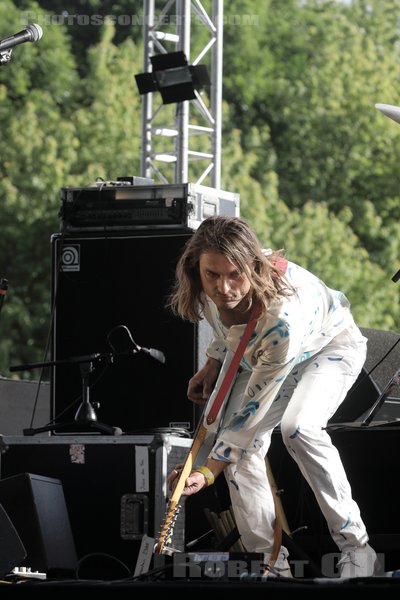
(166, 135)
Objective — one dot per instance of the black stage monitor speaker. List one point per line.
(383, 345)
(382, 362)
(37, 509)
(12, 550)
(359, 399)
(99, 283)
(114, 489)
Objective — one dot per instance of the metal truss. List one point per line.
(182, 141)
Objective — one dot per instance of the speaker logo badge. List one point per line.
(70, 259)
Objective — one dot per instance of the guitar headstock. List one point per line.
(179, 485)
(167, 530)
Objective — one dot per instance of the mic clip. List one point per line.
(122, 343)
(5, 56)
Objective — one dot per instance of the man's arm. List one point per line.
(202, 383)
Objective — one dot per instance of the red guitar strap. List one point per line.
(233, 367)
(281, 264)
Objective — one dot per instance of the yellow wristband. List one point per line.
(208, 474)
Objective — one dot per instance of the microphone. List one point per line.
(3, 290)
(157, 354)
(122, 342)
(32, 33)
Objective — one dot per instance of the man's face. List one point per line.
(222, 281)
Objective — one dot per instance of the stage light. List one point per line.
(173, 77)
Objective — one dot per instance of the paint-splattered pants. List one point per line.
(305, 403)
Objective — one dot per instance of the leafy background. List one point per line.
(316, 165)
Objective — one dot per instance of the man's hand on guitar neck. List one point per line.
(193, 484)
(197, 480)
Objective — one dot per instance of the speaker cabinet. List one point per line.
(12, 550)
(18, 397)
(36, 507)
(359, 399)
(114, 489)
(99, 283)
(383, 356)
(381, 364)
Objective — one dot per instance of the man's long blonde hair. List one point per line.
(234, 238)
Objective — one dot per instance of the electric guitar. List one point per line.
(203, 438)
(206, 432)
(202, 443)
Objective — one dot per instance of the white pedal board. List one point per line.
(26, 572)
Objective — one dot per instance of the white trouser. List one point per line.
(305, 403)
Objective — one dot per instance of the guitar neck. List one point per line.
(189, 462)
(173, 504)
(198, 440)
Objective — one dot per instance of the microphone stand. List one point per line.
(395, 380)
(85, 416)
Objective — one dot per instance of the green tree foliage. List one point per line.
(37, 152)
(84, 20)
(108, 119)
(315, 163)
(326, 65)
(312, 236)
(332, 144)
(57, 130)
